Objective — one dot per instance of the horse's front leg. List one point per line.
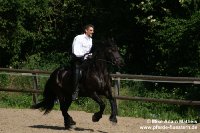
(113, 105)
(98, 115)
(64, 106)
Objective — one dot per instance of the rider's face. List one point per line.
(89, 31)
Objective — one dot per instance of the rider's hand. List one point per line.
(88, 56)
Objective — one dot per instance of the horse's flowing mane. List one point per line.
(100, 55)
(99, 46)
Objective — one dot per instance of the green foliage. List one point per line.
(152, 35)
(15, 100)
(31, 30)
(3, 80)
(49, 62)
(173, 49)
(153, 110)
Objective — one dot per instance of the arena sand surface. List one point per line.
(33, 121)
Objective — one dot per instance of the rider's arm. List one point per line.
(77, 47)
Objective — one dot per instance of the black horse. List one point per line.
(95, 81)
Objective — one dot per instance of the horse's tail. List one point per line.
(49, 98)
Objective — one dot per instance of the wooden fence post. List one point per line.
(35, 87)
(117, 85)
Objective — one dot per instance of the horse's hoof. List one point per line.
(96, 117)
(72, 122)
(113, 119)
(67, 127)
(69, 123)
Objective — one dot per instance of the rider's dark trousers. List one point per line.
(76, 72)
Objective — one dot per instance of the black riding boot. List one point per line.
(76, 82)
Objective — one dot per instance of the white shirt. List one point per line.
(82, 44)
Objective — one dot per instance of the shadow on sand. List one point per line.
(62, 128)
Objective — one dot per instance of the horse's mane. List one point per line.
(99, 55)
(101, 45)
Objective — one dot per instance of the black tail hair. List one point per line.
(48, 99)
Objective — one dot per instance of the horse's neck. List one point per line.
(101, 65)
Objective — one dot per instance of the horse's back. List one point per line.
(59, 75)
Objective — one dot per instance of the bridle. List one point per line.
(113, 60)
(103, 60)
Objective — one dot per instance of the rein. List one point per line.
(106, 61)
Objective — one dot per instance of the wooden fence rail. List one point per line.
(34, 73)
(117, 78)
(24, 71)
(21, 90)
(167, 101)
(189, 80)
(149, 78)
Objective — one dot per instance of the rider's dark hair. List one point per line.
(88, 26)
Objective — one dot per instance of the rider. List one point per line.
(81, 47)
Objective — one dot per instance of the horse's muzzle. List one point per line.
(119, 62)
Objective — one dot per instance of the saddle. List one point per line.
(60, 76)
(84, 67)
(61, 73)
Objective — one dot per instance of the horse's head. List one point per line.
(112, 54)
(107, 50)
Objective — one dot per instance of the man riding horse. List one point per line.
(97, 80)
(81, 48)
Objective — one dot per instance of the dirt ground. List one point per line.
(29, 121)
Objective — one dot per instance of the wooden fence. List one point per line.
(147, 78)
(34, 73)
(117, 78)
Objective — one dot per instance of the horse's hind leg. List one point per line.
(64, 106)
(98, 115)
